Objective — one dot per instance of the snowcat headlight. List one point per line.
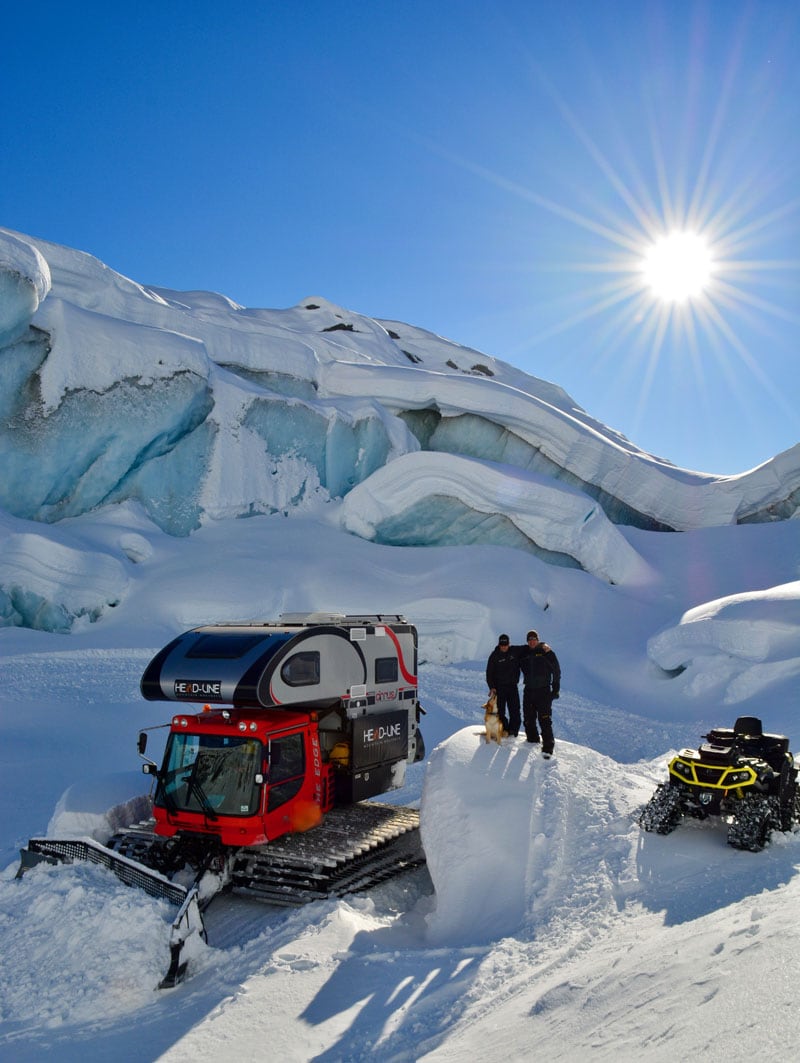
(242, 726)
(180, 721)
(682, 769)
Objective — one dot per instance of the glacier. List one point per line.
(24, 284)
(178, 378)
(196, 409)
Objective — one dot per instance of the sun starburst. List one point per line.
(678, 267)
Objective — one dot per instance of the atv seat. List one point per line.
(751, 740)
(748, 738)
(748, 727)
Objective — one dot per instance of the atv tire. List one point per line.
(662, 813)
(755, 818)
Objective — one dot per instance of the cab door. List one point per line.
(289, 802)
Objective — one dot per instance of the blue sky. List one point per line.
(491, 171)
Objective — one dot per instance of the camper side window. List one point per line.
(302, 669)
(386, 670)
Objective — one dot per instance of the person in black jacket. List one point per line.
(542, 676)
(502, 679)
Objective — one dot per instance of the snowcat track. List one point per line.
(353, 849)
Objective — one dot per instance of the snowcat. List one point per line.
(740, 774)
(265, 791)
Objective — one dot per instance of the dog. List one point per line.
(495, 732)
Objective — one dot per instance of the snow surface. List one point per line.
(24, 283)
(546, 922)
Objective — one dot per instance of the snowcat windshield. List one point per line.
(212, 774)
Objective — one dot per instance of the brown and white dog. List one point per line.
(495, 732)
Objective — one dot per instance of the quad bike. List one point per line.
(740, 774)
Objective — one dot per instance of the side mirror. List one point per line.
(149, 769)
(141, 744)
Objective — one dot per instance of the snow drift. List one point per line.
(527, 836)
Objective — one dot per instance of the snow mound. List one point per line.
(734, 647)
(24, 284)
(512, 839)
(47, 586)
(96, 808)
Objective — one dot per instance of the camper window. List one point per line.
(386, 670)
(223, 647)
(302, 669)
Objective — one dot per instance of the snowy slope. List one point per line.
(138, 428)
(553, 921)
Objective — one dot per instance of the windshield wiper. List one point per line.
(200, 794)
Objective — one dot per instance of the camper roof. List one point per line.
(307, 619)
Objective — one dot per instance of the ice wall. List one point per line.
(425, 499)
(49, 585)
(201, 409)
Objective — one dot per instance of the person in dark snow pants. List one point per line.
(502, 679)
(541, 674)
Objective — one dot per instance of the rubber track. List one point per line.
(354, 848)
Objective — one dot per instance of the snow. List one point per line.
(549, 514)
(96, 807)
(24, 283)
(545, 922)
(61, 583)
(746, 641)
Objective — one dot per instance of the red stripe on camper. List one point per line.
(409, 678)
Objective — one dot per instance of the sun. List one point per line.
(678, 267)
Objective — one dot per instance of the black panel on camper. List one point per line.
(208, 664)
(380, 739)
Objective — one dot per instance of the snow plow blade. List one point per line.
(132, 873)
(354, 848)
(189, 919)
